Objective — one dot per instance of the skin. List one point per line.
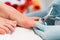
(13, 14)
(6, 26)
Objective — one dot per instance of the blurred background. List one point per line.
(44, 3)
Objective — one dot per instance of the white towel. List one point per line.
(21, 34)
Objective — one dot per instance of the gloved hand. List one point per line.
(56, 7)
(47, 32)
(42, 13)
(56, 2)
(56, 18)
(55, 12)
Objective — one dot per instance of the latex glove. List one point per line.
(56, 7)
(56, 10)
(47, 32)
(56, 18)
(42, 13)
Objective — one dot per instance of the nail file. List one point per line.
(48, 15)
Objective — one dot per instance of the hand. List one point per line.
(47, 32)
(56, 2)
(56, 7)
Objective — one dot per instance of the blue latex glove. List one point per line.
(56, 18)
(50, 32)
(55, 12)
(56, 7)
(47, 32)
(42, 13)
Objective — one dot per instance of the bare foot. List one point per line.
(35, 18)
(6, 26)
(13, 14)
(25, 22)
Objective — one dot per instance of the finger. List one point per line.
(6, 29)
